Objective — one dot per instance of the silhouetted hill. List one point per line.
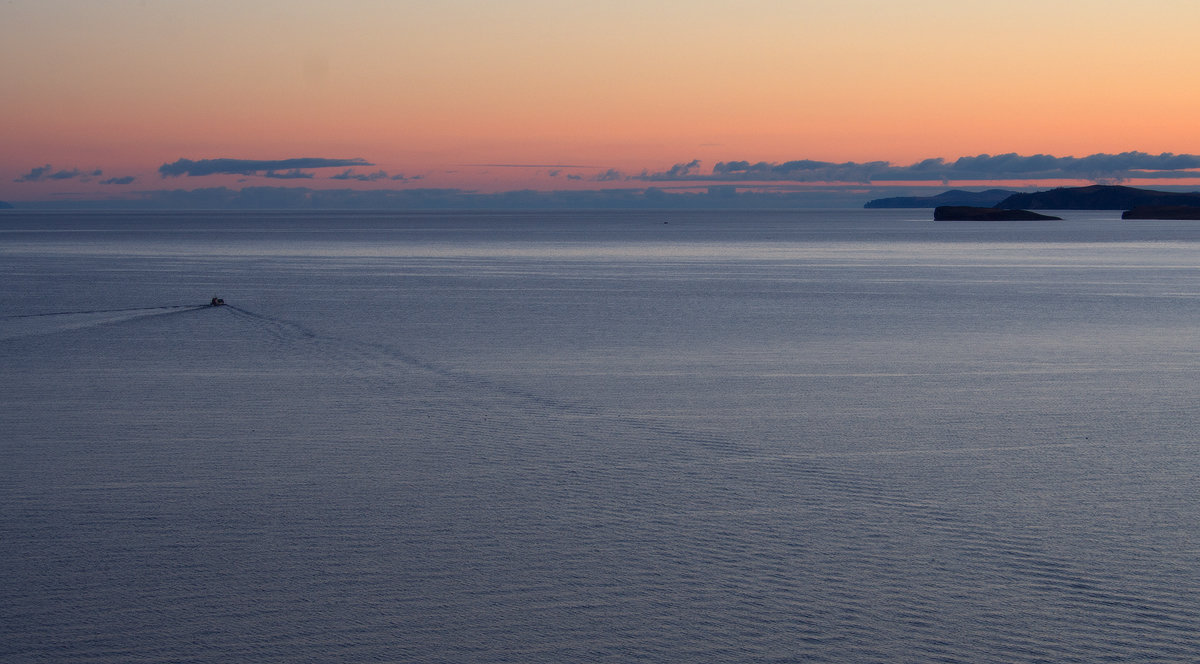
(953, 197)
(967, 213)
(1096, 197)
(1191, 212)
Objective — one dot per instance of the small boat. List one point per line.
(216, 302)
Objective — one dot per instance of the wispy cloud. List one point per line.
(47, 172)
(294, 174)
(128, 179)
(202, 167)
(528, 166)
(1011, 166)
(350, 174)
(684, 170)
(611, 175)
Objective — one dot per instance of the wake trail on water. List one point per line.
(283, 329)
(19, 326)
(279, 329)
(833, 481)
(536, 403)
(1160, 616)
(164, 308)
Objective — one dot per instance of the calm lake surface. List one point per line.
(826, 436)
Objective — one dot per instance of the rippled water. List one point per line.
(841, 436)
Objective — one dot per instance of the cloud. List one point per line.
(128, 179)
(528, 166)
(717, 196)
(684, 170)
(47, 172)
(1011, 166)
(65, 175)
(801, 170)
(34, 174)
(349, 174)
(251, 166)
(610, 175)
(294, 174)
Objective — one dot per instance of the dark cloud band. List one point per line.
(47, 172)
(252, 166)
(349, 174)
(294, 174)
(1097, 167)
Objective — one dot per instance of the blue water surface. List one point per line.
(826, 436)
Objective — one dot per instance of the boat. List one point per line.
(216, 302)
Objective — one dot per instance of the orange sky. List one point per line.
(429, 89)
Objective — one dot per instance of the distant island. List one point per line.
(958, 197)
(1098, 197)
(968, 213)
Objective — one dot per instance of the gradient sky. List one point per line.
(545, 94)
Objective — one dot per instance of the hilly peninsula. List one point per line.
(1098, 197)
(956, 197)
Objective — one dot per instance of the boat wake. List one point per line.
(18, 326)
(965, 551)
(165, 308)
(748, 516)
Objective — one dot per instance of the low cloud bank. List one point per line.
(1107, 168)
(417, 199)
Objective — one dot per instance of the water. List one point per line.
(839, 436)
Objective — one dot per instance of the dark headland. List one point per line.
(1097, 197)
(1137, 203)
(968, 213)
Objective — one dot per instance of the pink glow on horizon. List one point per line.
(432, 91)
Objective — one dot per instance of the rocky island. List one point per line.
(968, 213)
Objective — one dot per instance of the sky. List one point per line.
(123, 97)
